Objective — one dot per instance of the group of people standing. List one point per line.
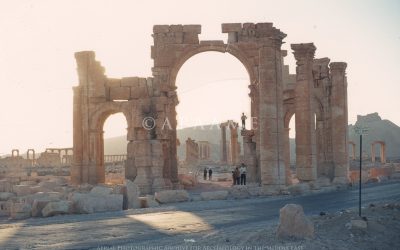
(209, 174)
(239, 175)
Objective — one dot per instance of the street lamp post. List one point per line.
(360, 131)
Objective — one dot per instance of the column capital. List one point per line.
(303, 51)
(338, 66)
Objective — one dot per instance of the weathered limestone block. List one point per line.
(231, 27)
(170, 196)
(101, 190)
(39, 189)
(49, 184)
(133, 193)
(20, 210)
(28, 183)
(52, 196)
(239, 192)
(149, 201)
(93, 203)
(120, 93)
(38, 206)
(5, 186)
(22, 190)
(5, 208)
(214, 195)
(293, 223)
(4, 196)
(56, 208)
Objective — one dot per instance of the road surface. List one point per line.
(174, 224)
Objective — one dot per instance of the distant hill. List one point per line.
(383, 130)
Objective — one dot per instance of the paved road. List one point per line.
(169, 222)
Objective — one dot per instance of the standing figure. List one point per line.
(237, 175)
(244, 117)
(205, 174)
(210, 174)
(243, 172)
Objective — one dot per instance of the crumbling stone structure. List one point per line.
(353, 150)
(149, 107)
(204, 150)
(192, 151)
(382, 151)
(230, 154)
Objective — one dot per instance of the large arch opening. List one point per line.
(115, 148)
(212, 88)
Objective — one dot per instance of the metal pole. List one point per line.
(359, 188)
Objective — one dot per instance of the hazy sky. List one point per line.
(38, 40)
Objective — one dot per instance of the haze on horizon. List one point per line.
(39, 39)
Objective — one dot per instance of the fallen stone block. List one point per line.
(148, 201)
(56, 208)
(170, 196)
(22, 190)
(294, 223)
(87, 203)
(101, 190)
(29, 199)
(19, 211)
(132, 193)
(4, 196)
(50, 185)
(28, 183)
(38, 206)
(6, 186)
(239, 192)
(215, 195)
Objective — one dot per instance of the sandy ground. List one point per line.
(332, 232)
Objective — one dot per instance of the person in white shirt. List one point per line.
(243, 172)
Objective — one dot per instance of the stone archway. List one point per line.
(149, 106)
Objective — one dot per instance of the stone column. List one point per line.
(383, 153)
(286, 155)
(272, 165)
(339, 122)
(320, 147)
(373, 152)
(250, 155)
(130, 167)
(76, 171)
(306, 161)
(234, 143)
(224, 153)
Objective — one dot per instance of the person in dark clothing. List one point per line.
(205, 173)
(210, 174)
(243, 118)
(237, 176)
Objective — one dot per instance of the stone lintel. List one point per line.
(231, 27)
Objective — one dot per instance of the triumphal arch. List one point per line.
(317, 96)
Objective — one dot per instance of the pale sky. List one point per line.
(38, 40)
